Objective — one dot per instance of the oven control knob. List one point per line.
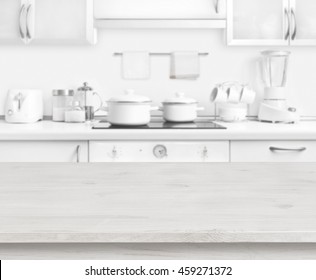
(205, 153)
(160, 151)
(114, 153)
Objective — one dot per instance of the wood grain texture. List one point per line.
(170, 251)
(157, 203)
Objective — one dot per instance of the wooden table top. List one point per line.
(153, 203)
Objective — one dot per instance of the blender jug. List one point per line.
(274, 69)
(275, 66)
(274, 107)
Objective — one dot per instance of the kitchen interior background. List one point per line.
(51, 67)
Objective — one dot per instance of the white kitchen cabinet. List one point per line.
(63, 21)
(273, 151)
(12, 21)
(303, 22)
(257, 22)
(47, 21)
(43, 151)
(152, 151)
(271, 22)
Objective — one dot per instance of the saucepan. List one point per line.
(180, 109)
(129, 109)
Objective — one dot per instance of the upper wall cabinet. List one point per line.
(160, 14)
(11, 13)
(161, 9)
(63, 21)
(271, 22)
(303, 22)
(47, 21)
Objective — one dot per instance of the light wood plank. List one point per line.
(101, 251)
(150, 203)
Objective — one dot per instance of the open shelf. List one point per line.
(160, 23)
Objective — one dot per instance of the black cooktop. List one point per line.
(159, 124)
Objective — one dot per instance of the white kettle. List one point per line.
(24, 106)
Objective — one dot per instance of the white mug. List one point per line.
(219, 95)
(234, 94)
(247, 96)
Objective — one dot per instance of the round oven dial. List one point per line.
(160, 151)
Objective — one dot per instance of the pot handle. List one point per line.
(200, 109)
(154, 109)
(160, 109)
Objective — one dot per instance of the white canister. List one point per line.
(61, 99)
(75, 113)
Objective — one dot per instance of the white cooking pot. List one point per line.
(180, 109)
(129, 109)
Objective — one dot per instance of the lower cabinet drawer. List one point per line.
(43, 151)
(273, 151)
(151, 151)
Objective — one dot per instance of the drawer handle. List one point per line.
(275, 149)
(78, 152)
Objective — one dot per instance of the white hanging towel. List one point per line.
(185, 65)
(136, 65)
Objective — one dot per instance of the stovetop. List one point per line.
(160, 124)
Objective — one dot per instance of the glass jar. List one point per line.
(61, 99)
(75, 113)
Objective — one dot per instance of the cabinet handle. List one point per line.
(275, 149)
(288, 20)
(217, 6)
(295, 24)
(20, 22)
(78, 153)
(28, 33)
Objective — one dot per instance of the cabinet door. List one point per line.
(42, 151)
(257, 22)
(273, 151)
(303, 22)
(11, 25)
(63, 21)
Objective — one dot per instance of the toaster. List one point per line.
(24, 106)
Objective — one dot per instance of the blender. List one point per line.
(274, 107)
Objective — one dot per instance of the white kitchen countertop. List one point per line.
(250, 130)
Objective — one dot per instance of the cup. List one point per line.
(234, 93)
(247, 96)
(219, 95)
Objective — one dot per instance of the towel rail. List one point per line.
(162, 54)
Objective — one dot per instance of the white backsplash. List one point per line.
(49, 67)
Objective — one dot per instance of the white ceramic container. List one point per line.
(180, 109)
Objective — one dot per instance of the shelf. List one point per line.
(160, 23)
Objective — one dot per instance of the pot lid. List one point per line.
(180, 99)
(130, 97)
